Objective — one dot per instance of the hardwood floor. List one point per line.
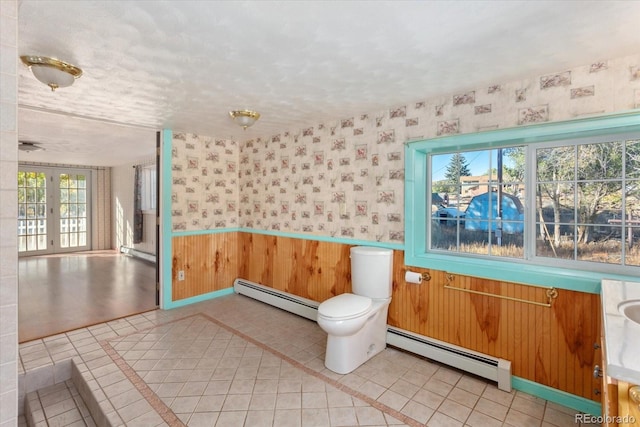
(58, 293)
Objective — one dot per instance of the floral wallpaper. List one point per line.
(204, 183)
(345, 178)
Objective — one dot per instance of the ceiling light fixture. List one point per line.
(244, 118)
(29, 146)
(52, 72)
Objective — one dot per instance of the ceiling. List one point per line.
(183, 65)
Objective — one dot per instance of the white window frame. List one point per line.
(148, 187)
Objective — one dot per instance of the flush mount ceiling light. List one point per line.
(29, 146)
(244, 118)
(52, 72)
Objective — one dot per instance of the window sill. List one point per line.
(515, 272)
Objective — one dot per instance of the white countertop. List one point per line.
(621, 335)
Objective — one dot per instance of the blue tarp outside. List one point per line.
(477, 213)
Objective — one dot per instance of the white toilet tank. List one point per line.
(371, 272)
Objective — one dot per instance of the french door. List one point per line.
(53, 210)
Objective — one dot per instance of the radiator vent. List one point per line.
(491, 368)
(138, 254)
(301, 306)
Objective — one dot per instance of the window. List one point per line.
(555, 204)
(148, 189)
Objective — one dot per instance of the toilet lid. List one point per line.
(344, 305)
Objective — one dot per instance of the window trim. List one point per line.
(417, 215)
(148, 189)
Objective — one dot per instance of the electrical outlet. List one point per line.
(181, 275)
(343, 209)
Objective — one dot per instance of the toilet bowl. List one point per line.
(354, 338)
(356, 323)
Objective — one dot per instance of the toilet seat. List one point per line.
(344, 306)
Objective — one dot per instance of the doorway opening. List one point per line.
(72, 272)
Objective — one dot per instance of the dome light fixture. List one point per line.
(52, 72)
(29, 146)
(244, 118)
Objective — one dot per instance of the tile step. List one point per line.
(57, 405)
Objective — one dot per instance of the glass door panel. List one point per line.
(73, 211)
(33, 224)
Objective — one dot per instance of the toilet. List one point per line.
(356, 323)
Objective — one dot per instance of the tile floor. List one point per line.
(234, 361)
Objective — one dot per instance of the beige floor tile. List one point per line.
(217, 387)
(404, 388)
(65, 418)
(472, 384)
(533, 408)
(463, 397)
(342, 417)
(447, 375)
(259, 418)
(428, 398)
(491, 392)
(203, 419)
(314, 400)
(417, 411)
(134, 410)
(478, 419)
(439, 387)
(369, 416)
(184, 405)
(287, 418)
(393, 400)
(210, 403)
(315, 417)
(231, 419)
(519, 419)
(491, 408)
(236, 402)
(556, 417)
(339, 399)
(441, 420)
(455, 410)
(372, 389)
(262, 402)
(290, 386)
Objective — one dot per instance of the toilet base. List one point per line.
(344, 354)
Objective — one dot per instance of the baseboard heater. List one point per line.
(301, 306)
(138, 254)
(480, 364)
(491, 368)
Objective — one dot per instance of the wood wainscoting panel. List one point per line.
(307, 268)
(209, 262)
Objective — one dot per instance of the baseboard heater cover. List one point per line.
(138, 254)
(485, 366)
(491, 368)
(301, 306)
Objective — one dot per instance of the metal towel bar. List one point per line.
(552, 293)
